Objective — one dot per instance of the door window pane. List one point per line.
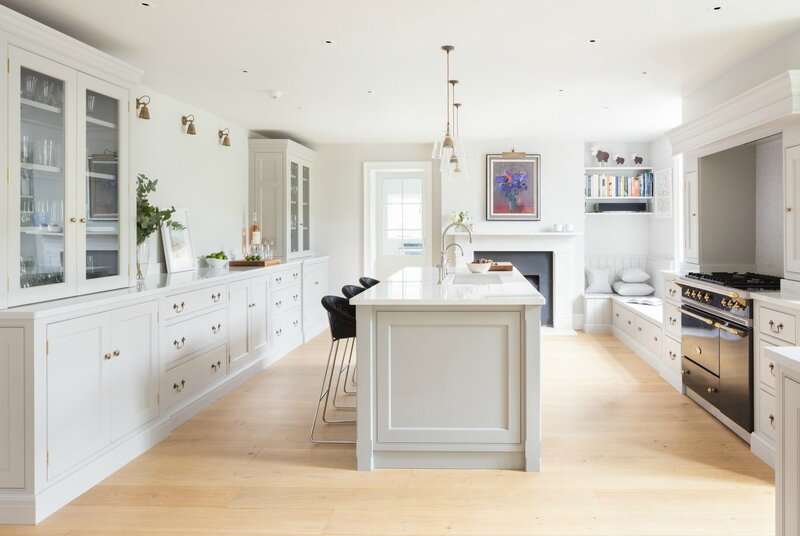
(42, 180)
(102, 186)
(402, 216)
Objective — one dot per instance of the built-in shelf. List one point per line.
(635, 198)
(39, 167)
(100, 122)
(620, 213)
(41, 106)
(618, 168)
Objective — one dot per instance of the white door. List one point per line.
(133, 368)
(12, 408)
(790, 458)
(792, 221)
(258, 315)
(239, 324)
(77, 390)
(398, 217)
(691, 237)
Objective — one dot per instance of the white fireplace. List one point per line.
(561, 245)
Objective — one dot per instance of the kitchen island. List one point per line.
(449, 375)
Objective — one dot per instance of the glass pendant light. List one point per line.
(443, 149)
(460, 170)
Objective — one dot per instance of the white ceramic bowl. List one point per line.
(479, 268)
(216, 264)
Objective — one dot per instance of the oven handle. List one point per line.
(731, 295)
(731, 330)
(698, 317)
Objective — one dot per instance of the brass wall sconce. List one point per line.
(225, 137)
(188, 122)
(142, 102)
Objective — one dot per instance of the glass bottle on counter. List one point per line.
(255, 231)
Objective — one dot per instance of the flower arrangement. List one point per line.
(510, 185)
(460, 216)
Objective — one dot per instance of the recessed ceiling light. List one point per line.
(561, 91)
(593, 40)
(370, 92)
(300, 108)
(328, 42)
(717, 8)
(605, 107)
(244, 71)
(146, 3)
(644, 72)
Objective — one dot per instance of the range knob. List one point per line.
(694, 294)
(725, 303)
(707, 297)
(687, 292)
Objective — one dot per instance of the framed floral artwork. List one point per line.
(512, 187)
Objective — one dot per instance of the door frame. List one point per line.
(372, 171)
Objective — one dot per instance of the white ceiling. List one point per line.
(512, 58)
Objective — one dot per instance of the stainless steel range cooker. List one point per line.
(717, 344)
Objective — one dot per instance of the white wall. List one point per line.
(661, 235)
(769, 208)
(194, 172)
(337, 199)
(782, 56)
(561, 192)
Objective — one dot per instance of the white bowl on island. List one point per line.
(216, 264)
(479, 267)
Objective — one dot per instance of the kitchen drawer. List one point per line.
(648, 335)
(186, 303)
(672, 320)
(623, 319)
(777, 324)
(285, 278)
(765, 416)
(766, 367)
(183, 338)
(182, 382)
(287, 329)
(672, 354)
(672, 292)
(700, 381)
(285, 300)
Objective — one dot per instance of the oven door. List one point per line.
(700, 339)
(736, 372)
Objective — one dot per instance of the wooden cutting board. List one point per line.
(263, 262)
(501, 267)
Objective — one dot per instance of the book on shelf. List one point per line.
(619, 186)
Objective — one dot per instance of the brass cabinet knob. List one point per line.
(698, 350)
(107, 357)
(712, 390)
(73, 220)
(83, 220)
(116, 353)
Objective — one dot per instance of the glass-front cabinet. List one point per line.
(67, 194)
(299, 208)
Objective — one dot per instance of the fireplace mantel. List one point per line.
(562, 245)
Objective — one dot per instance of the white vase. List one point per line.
(142, 259)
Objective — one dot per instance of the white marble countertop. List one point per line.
(786, 357)
(418, 286)
(778, 297)
(151, 287)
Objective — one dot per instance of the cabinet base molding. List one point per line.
(315, 329)
(650, 358)
(21, 508)
(449, 460)
(672, 378)
(763, 449)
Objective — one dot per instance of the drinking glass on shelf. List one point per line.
(46, 94)
(26, 147)
(90, 103)
(31, 81)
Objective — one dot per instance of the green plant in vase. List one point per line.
(149, 219)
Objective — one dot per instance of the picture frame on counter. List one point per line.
(178, 248)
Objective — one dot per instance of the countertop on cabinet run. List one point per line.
(787, 357)
(418, 286)
(151, 287)
(778, 297)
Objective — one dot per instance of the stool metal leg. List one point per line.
(325, 418)
(346, 371)
(349, 361)
(324, 393)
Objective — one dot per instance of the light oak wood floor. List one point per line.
(623, 454)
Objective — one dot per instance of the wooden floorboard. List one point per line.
(623, 454)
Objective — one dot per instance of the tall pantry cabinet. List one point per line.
(281, 178)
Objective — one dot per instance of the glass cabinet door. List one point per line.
(306, 208)
(102, 199)
(294, 212)
(42, 200)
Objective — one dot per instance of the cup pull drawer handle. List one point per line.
(216, 329)
(179, 386)
(178, 308)
(178, 344)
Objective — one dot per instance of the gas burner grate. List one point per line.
(741, 281)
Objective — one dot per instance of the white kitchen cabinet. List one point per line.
(788, 484)
(70, 213)
(102, 381)
(249, 336)
(78, 391)
(691, 225)
(315, 286)
(12, 408)
(281, 178)
(792, 207)
(133, 368)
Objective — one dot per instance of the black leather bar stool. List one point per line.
(342, 320)
(350, 291)
(368, 282)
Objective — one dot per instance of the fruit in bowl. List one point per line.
(480, 266)
(217, 260)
